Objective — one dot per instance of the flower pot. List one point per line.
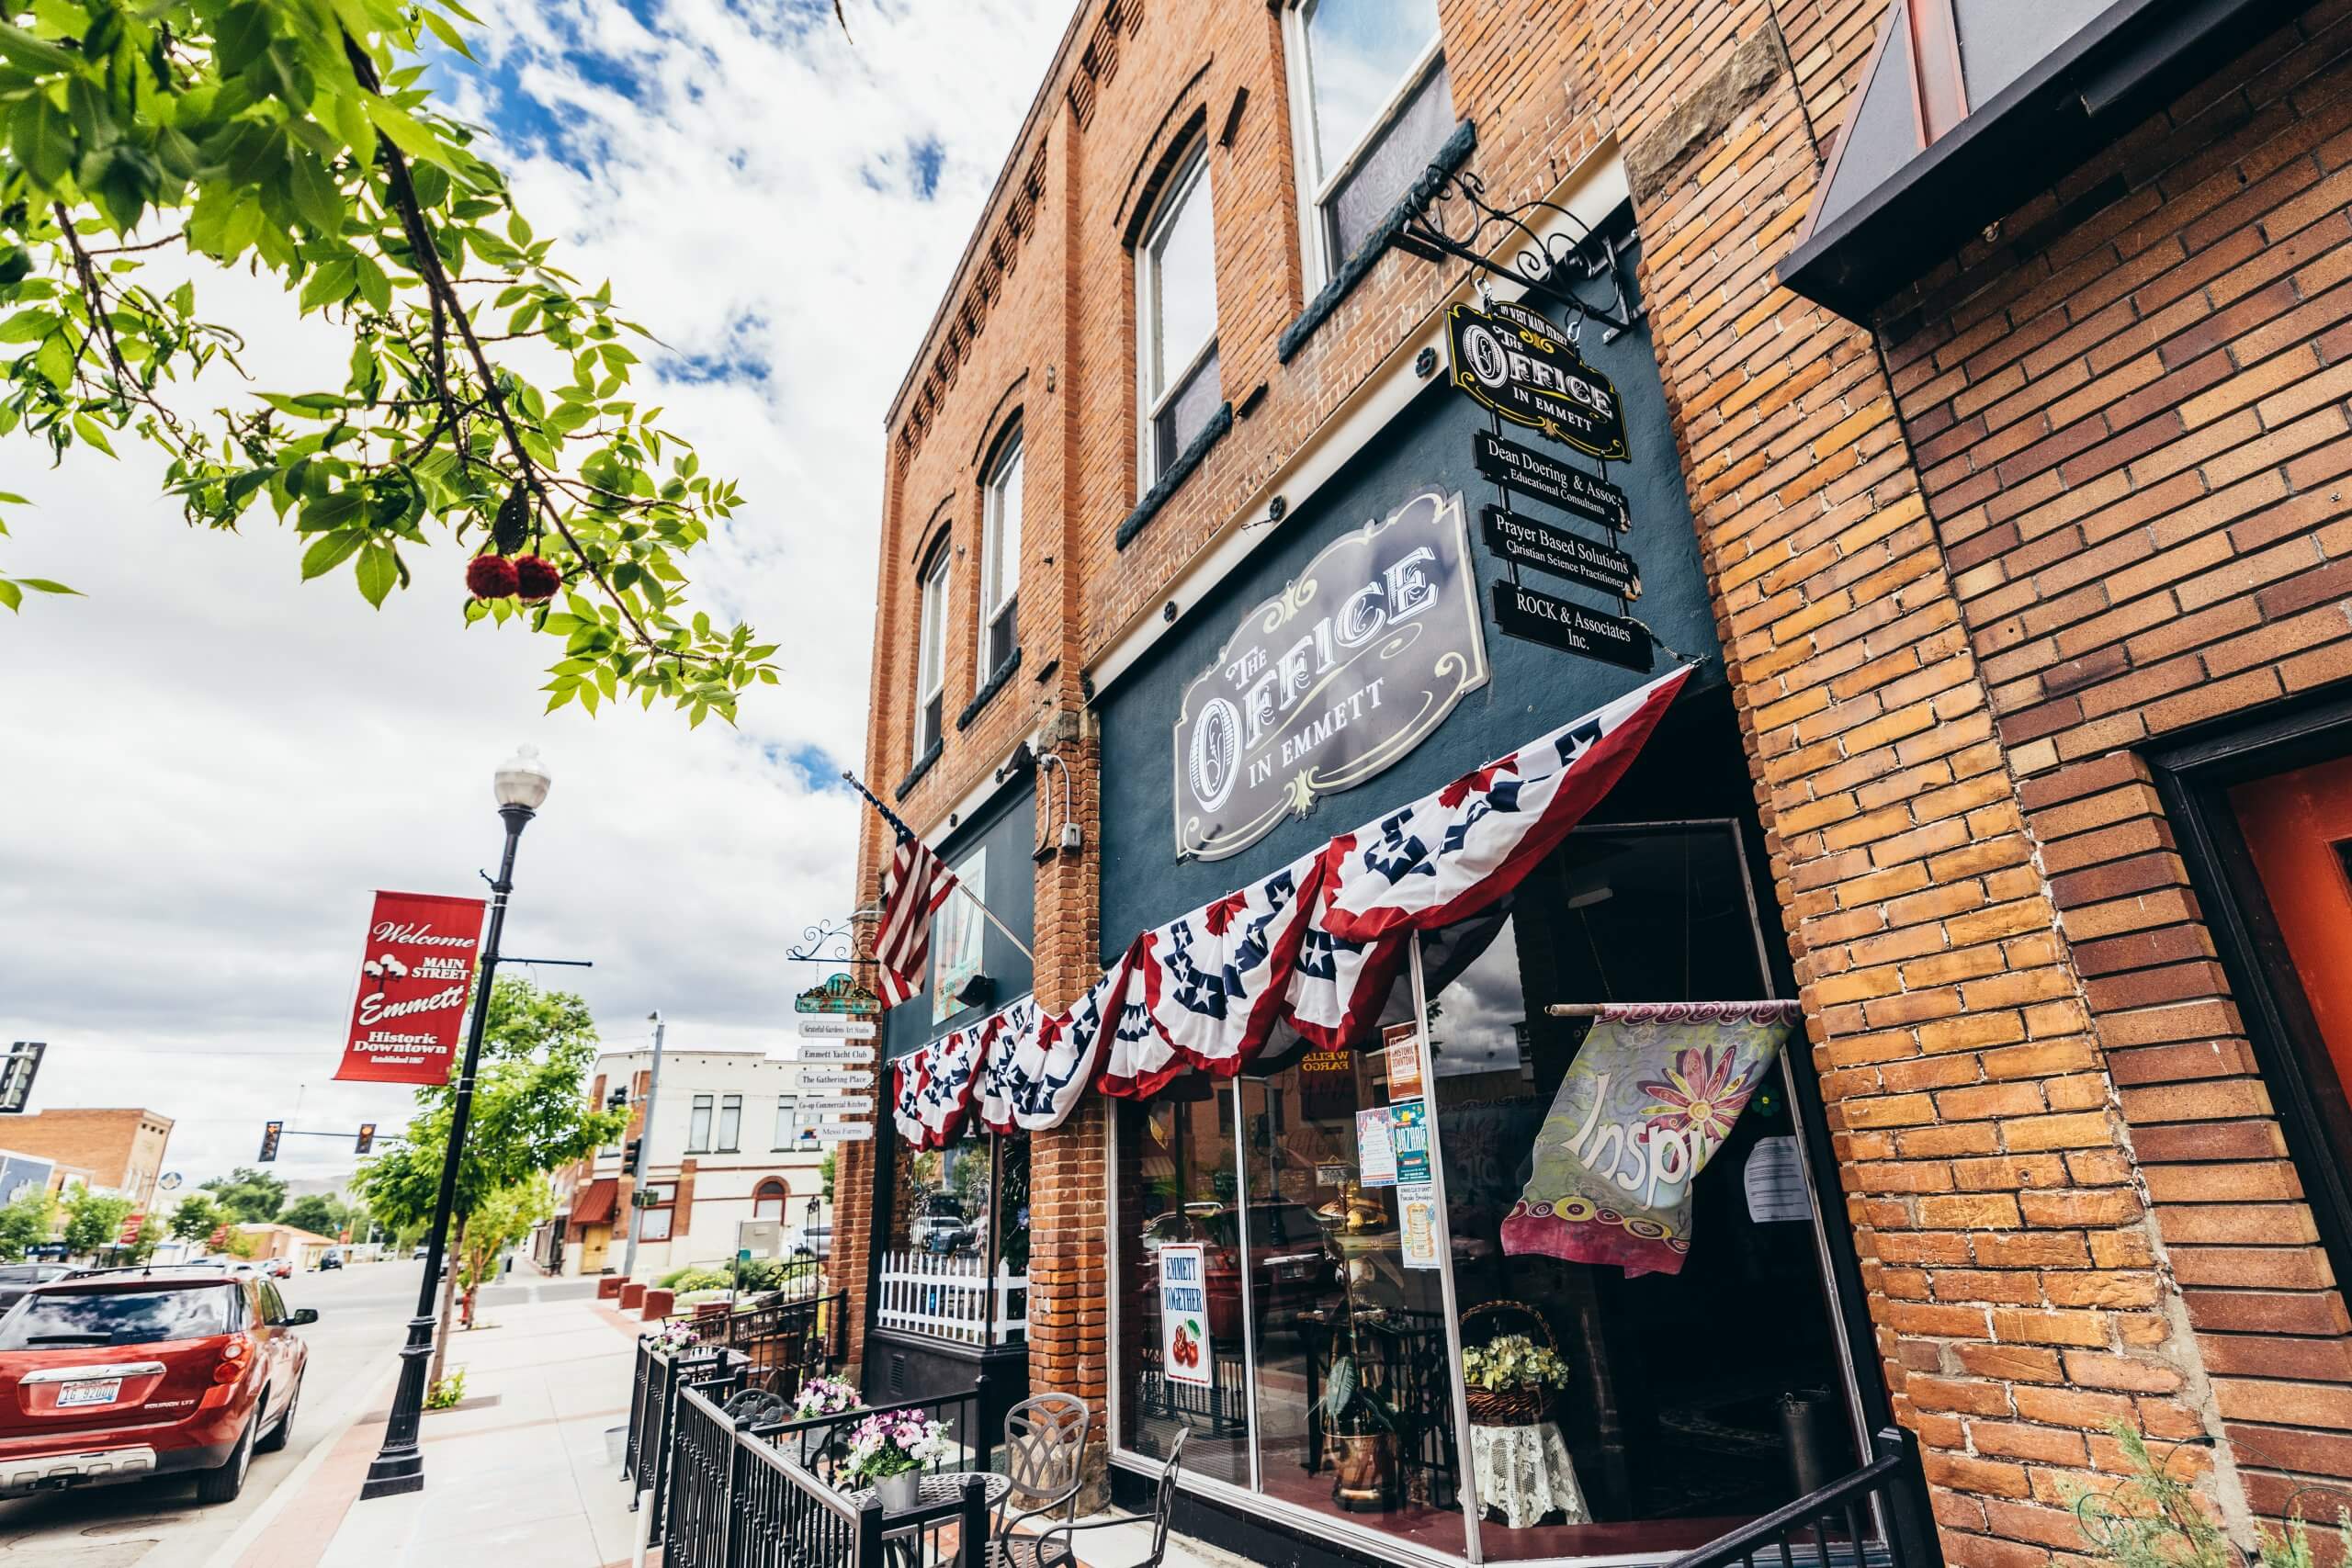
(1366, 1463)
(901, 1492)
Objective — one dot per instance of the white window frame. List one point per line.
(1192, 178)
(731, 1125)
(1000, 552)
(700, 1116)
(1318, 263)
(930, 646)
(782, 1198)
(787, 1120)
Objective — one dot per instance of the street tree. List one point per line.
(251, 1197)
(93, 1219)
(316, 1212)
(531, 1115)
(198, 1217)
(25, 1223)
(502, 1220)
(483, 392)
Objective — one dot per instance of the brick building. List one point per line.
(1976, 418)
(122, 1149)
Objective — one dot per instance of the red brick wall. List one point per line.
(2128, 410)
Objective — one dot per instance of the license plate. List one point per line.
(102, 1392)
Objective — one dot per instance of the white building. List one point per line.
(726, 1145)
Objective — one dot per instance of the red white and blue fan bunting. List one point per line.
(1316, 945)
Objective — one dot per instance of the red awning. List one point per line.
(594, 1204)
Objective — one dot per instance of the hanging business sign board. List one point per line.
(1538, 617)
(845, 1133)
(415, 975)
(826, 1026)
(1353, 664)
(841, 1078)
(854, 1056)
(839, 994)
(1531, 541)
(835, 1105)
(1541, 475)
(1514, 361)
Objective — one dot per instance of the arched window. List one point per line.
(767, 1200)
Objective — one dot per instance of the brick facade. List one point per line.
(2077, 490)
(121, 1148)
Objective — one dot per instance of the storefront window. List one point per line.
(1370, 1245)
(959, 1215)
(1180, 1286)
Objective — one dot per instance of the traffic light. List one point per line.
(628, 1153)
(270, 1132)
(367, 1137)
(16, 1070)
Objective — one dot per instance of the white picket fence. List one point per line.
(947, 1297)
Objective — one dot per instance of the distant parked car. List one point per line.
(331, 1258)
(418, 1256)
(809, 1241)
(278, 1268)
(16, 1279)
(124, 1374)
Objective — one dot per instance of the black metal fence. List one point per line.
(786, 1342)
(655, 1386)
(741, 1499)
(1876, 1516)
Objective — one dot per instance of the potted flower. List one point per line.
(675, 1336)
(1510, 1378)
(824, 1396)
(888, 1452)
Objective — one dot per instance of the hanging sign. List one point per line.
(415, 977)
(832, 1028)
(839, 994)
(842, 1078)
(833, 1105)
(1514, 361)
(844, 1133)
(1538, 617)
(1353, 664)
(1533, 542)
(849, 1055)
(1185, 1355)
(1541, 475)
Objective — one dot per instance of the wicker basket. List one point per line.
(1520, 1406)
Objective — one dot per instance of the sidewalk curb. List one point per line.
(232, 1554)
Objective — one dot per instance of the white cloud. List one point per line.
(208, 765)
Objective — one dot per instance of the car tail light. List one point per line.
(235, 1357)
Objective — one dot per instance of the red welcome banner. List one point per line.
(414, 980)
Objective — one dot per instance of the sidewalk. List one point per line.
(519, 1474)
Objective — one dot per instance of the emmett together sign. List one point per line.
(1337, 677)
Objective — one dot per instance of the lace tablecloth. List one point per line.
(1524, 1473)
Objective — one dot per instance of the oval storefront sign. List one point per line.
(1514, 361)
(1334, 679)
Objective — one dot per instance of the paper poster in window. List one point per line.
(1403, 1044)
(955, 938)
(1417, 1218)
(1376, 1149)
(1409, 1134)
(1185, 1355)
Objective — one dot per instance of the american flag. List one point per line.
(913, 888)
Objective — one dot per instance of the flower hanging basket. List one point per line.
(1514, 1404)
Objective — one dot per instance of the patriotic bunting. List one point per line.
(1316, 945)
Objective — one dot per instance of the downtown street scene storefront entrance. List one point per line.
(1421, 1245)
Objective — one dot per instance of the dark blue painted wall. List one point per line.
(1533, 687)
(1008, 825)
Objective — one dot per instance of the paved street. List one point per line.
(362, 1316)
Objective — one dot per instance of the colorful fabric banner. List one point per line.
(1315, 946)
(1648, 1100)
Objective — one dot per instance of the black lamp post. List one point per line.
(520, 786)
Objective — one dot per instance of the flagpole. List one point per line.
(900, 828)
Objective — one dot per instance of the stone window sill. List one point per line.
(1178, 472)
(1357, 267)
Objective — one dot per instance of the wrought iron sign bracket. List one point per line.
(828, 940)
(1459, 221)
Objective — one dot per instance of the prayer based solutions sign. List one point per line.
(415, 977)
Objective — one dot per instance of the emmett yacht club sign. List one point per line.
(1340, 675)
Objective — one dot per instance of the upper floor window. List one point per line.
(767, 1200)
(930, 653)
(730, 1124)
(1000, 558)
(1370, 94)
(699, 1126)
(1176, 318)
(787, 1120)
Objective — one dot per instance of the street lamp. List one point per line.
(520, 787)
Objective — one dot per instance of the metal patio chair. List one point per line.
(1058, 1549)
(1045, 1454)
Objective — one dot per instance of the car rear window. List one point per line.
(116, 1318)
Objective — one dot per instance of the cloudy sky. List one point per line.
(209, 765)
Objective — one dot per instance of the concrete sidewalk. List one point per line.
(519, 1474)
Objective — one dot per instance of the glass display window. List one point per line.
(1402, 1335)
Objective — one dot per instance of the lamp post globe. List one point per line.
(522, 780)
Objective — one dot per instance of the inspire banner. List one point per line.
(1645, 1106)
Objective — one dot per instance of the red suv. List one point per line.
(128, 1374)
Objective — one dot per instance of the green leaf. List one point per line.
(28, 326)
(33, 53)
(316, 196)
(374, 287)
(45, 585)
(89, 431)
(446, 33)
(408, 136)
(241, 35)
(329, 551)
(378, 570)
(10, 597)
(329, 284)
(42, 139)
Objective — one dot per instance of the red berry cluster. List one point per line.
(1186, 1349)
(527, 577)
